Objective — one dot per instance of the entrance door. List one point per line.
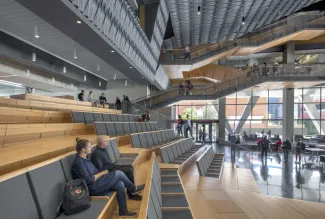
(203, 132)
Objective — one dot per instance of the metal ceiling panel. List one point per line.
(198, 22)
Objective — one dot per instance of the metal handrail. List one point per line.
(248, 79)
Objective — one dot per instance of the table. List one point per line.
(315, 151)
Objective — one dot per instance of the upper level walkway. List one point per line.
(273, 35)
(276, 77)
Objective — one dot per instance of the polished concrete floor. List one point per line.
(277, 178)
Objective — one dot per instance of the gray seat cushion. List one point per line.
(100, 128)
(115, 148)
(98, 117)
(66, 164)
(78, 117)
(107, 117)
(16, 200)
(89, 118)
(124, 161)
(47, 184)
(114, 118)
(94, 211)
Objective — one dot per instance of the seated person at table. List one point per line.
(102, 161)
(278, 144)
(100, 183)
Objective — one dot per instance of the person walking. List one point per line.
(180, 125)
(278, 144)
(180, 89)
(286, 147)
(264, 69)
(188, 127)
(118, 103)
(299, 149)
(265, 147)
(91, 99)
(187, 52)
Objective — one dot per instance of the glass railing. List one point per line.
(251, 76)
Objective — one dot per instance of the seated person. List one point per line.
(100, 183)
(102, 100)
(102, 161)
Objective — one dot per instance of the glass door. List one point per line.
(203, 132)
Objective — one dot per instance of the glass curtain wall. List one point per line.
(254, 111)
(309, 111)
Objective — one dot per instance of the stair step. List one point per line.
(212, 175)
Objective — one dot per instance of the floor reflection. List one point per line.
(290, 180)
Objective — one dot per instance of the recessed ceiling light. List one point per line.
(112, 51)
(142, 77)
(79, 22)
(131, 67)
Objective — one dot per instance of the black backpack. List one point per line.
(76, 197)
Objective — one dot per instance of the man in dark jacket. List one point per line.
(81, 96)
(286, 147)
(299, 149)
(102, 161)
(265, 146)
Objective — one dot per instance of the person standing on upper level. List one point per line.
(81, 95)
(188, 127)
(187, 52)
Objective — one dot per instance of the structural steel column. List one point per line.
(289, 53)
(288, 113)
(222, 117)
(247, 111)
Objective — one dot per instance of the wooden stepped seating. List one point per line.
(24, 144)
(124, 128)
(179, 152)
(25, 154)
(49, 99)
(30, 104)
(90, 118)
(210, 164)
(14, 134)
(11, 115)
(39, 191)
(158, 201)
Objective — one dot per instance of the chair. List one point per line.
(139, 127)
(126, 118)
(149, 139)
(113, 117)
(135, 140)
(144, 127)
(89, 118)
(101, 128)
(126, 127)
(107, 117)
(119, 128)
(16, 200)
(66, 164)
(143, 140)
(120, 118)
(98, 117)
(133, 127)
(117, 153)
(110, 127)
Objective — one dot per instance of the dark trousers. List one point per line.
(128, 171)
(286, 154)
(264, 151)
(119, 181)
(188, 129)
